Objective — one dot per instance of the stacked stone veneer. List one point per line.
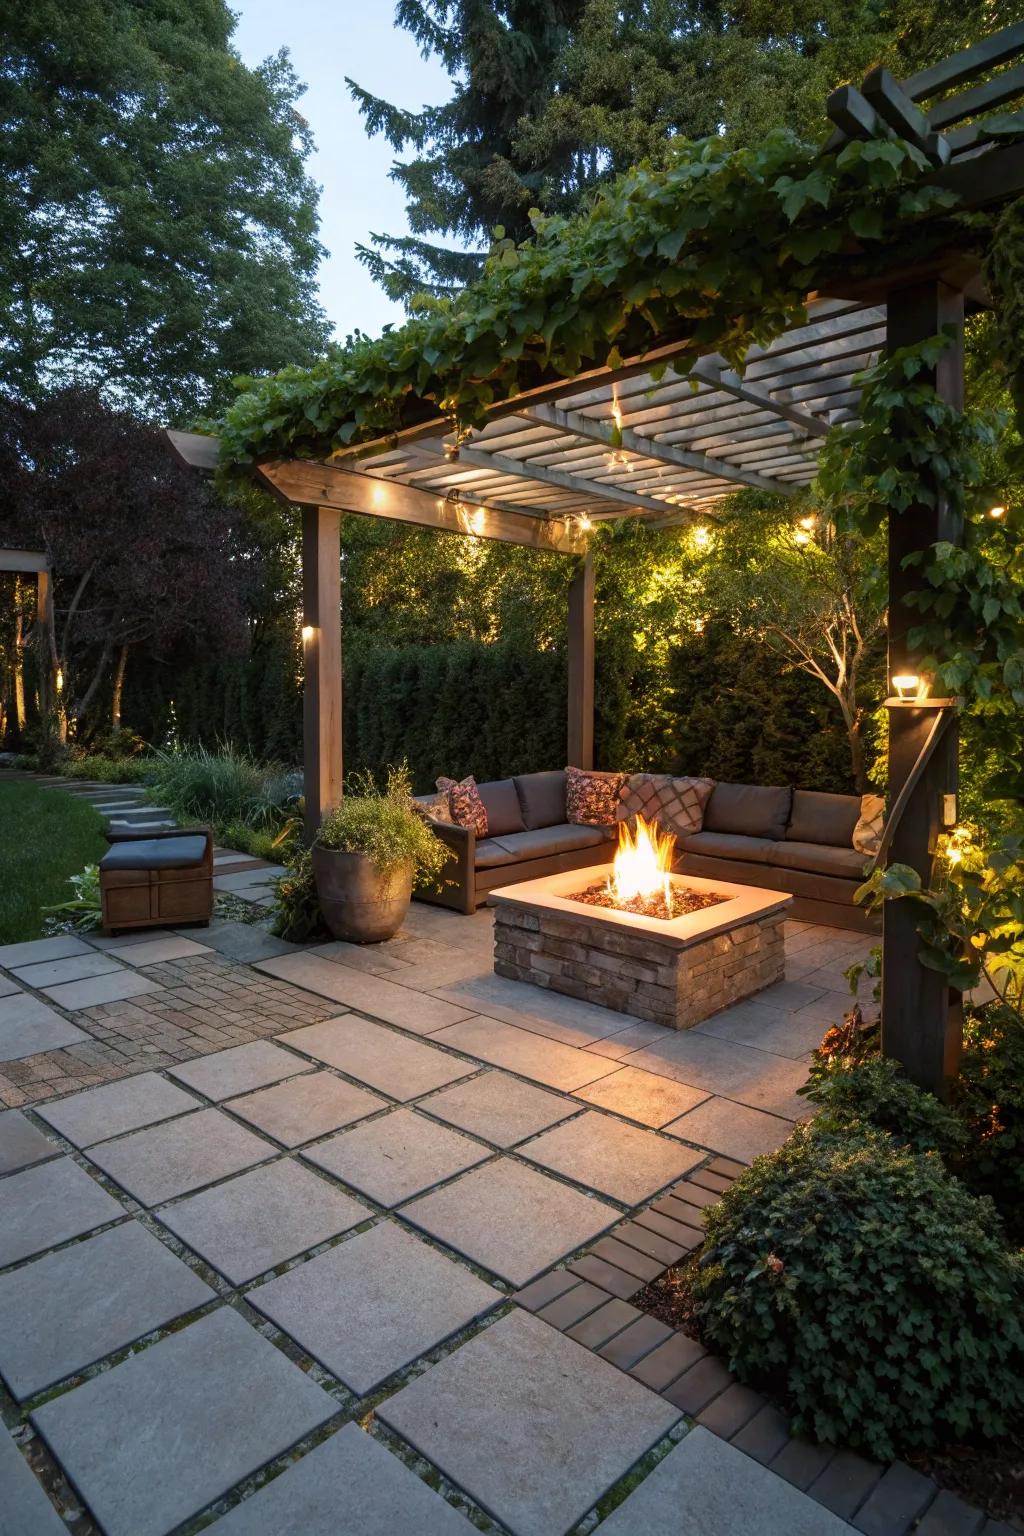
(636, 972)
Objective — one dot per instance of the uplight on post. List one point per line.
(908, 686)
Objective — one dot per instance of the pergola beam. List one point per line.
(715, 371)
(575, 425)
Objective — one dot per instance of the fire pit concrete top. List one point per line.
(554, 893)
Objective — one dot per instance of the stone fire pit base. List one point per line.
(674, 973)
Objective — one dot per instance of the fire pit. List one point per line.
(666, 947)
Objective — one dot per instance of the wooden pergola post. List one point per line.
(321, 650)
(922, 1018)
(580, 737)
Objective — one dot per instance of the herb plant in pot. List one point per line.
(369, 852)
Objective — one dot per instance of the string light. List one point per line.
(997, 512)
(585, 523)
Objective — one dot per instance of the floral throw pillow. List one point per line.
(867, 834)
(465, 804)
(592, 798)
(676, 804)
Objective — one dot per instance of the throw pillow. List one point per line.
(434, 807)
(465, 804)
(591, 798)
(677, 805)
(867, 834)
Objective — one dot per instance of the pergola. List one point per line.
(34, 562)
(618, 442)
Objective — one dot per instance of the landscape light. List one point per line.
(997, 512)
(801, 536)
(701, 536)
(809, 522)
(308, 631)
(907, 685)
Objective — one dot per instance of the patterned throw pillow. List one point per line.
(677, 805)
(467, 809)
(867, 834)
(434, 807)
(591, 798)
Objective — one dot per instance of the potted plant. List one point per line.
(367, 855)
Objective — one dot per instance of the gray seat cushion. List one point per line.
(816, 859)
(751, 810)
(155, 853)
(490, 854)
(821, 818)
(725, 845)
(542, 798)
(542, 842)
(502, 806)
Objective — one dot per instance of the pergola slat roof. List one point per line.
(665, 449)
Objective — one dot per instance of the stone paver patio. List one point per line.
(263, 1229)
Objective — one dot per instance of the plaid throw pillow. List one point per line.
(677, 805)
(464, 801)
(867, 834)
(591, 798)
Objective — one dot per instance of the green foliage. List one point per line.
(989, 1098)
(382, 824)
(46, 836)
(220, 787)
(870, 1290)
(84, 907)
(877, 1092)
(297, 915)
(258, 842)
(160, 231)
(108, 770)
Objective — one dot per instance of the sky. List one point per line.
(327, 40)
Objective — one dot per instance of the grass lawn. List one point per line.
(45, 836)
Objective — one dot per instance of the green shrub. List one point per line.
(258, 842)
(989, 1098)
(297, 915)
(382, 824)
(109, 770)
(222, 787)
(876, 1091)
(870, 1291)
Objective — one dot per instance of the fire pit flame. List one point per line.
(642, 867)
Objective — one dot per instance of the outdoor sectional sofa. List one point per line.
(793, 840)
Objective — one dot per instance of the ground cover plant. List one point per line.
(223, 787)
(45, 838)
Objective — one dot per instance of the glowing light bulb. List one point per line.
(997, 512)
(701, 536)
(801, 537)
(585, 524)
(308, 631)
(907, 685)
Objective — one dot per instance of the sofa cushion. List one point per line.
(502, 806)
(542, 842)
(592, 796)
(677, 805)
(467, 808)
(435, 807)
(726, 845)
(748, 809)
(541, 798)
(822, 818)
(816, 859)
(490, 854)
(867, 834)
(155, 853)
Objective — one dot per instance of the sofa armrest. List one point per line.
(460, 870)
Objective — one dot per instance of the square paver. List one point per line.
(21, 1144)
(115, 987)
(239, 1069)
(707, 1485)
(26, 1509)
(739, 1072)
(28, 1026)
(409, 1009)
(499, 1108)
(35, 950)
(617, 1160)
(180, 1155)
(642, 1096)
(535, 1427)
(156, 951)
(509, 1219)
(373, 1304)
(347, 1486)
(68, 1309)
(8, 986)
(390, 1062)
(734, 1130)
(249, 1225)
(47, 973)
(153, 1441)
(110, 1110)
(534, 1056)
(50, 1204)
(306, 1107)
(397, 1156)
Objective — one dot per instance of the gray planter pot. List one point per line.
(359, 904)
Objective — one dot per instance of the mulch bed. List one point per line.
(989, 1476)
(683, 902)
